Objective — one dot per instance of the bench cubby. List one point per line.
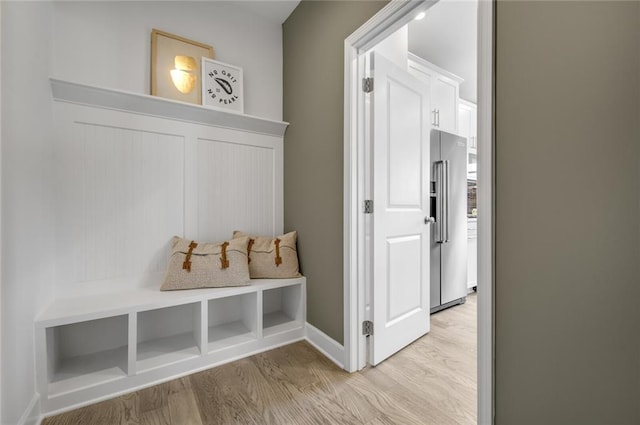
(281, 309)
(85, 354)
(167, 335)
(232, 321)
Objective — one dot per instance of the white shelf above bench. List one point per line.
(120, 100)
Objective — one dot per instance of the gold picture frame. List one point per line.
(175, 67)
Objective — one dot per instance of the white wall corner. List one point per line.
(325, 344)
(31, 415)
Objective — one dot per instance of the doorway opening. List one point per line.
(385, 33)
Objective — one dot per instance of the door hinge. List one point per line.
(367, 85)
(367, 328)
(368, 206)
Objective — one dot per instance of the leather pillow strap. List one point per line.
(251, 242)
(223, 258)
(187, 261)
(278, 257)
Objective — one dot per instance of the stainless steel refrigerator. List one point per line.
(449, 218)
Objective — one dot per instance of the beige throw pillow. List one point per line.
(272, 258)
(206, 265)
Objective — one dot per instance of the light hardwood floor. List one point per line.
(433, 381)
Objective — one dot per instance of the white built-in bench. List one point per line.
(132, 171)
(96, 346)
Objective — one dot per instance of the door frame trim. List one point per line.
(486, 204)
(389, 19)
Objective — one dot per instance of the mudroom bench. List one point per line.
(132, 171)
(97, 346)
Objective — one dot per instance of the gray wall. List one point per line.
(313, 50)
(567, 166)
(568, 206)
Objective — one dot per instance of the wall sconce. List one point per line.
(183, 76)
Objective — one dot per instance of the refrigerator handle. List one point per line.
(440, 200)
(446, 195)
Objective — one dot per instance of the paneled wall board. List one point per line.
(120, 198)
(128, 182)
(241, 190)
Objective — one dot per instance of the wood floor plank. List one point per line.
(106, 412)
(208, 396)
(235, 393)
(359, 389)
(128, 407)
(382, 419)
(313, 404)
(178, 385)
(183, 408)
(430, 382)
(153, 398)
(160, 416)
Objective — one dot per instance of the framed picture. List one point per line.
(175, 67)
(222, 86)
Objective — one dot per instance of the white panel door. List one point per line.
(400, 177)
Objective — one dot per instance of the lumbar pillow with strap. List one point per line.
(206, 265)
(272, 258)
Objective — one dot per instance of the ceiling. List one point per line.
(447, 37)
(274, 10)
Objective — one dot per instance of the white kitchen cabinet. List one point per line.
(472, 254)
(444, 88)
(468, 128)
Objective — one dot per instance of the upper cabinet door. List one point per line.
(467, 128)
(473, 127)
(464, 122)
(444, 89)
(444, 95)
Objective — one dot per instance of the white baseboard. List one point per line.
(31, 415)
(325, 344)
